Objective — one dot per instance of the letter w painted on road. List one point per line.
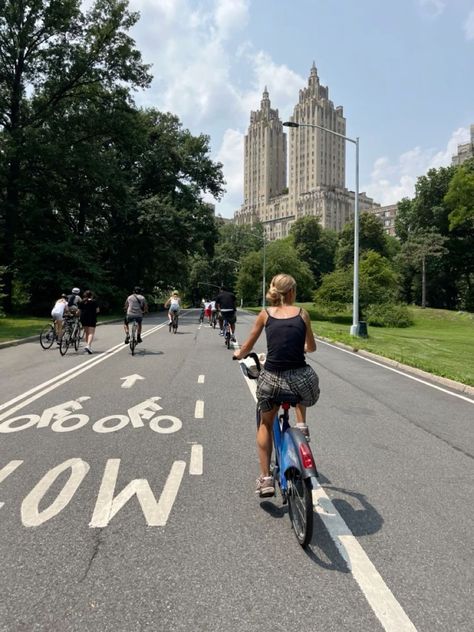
(156, 513)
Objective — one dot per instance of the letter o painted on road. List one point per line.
(58, 424)
(100, 426)
(6, 426)
(176, 424)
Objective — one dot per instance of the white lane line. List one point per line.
(201, 379)
(199, 410)
(66, 377)
(378, 595)
(195, 464)
(389, 368)
(387, 609)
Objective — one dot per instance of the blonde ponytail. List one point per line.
(280, 286)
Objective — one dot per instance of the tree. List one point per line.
(378, 282)
(281, 257)
(371, 237)
(315, 245)
(51, 52)
(419, 247)
(460, 198)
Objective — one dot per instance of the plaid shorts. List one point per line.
(302, 382)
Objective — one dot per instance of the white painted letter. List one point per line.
(30, 513)
(156, 513)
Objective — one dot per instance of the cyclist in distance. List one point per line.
(289, 337)
(173, 304)
(135, 306)
(227, 305)
(74, 301)
(57, 313)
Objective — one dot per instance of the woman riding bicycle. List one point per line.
(289, 337)
(174, 305)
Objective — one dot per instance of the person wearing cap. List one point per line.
(74, 301)
(174, 305)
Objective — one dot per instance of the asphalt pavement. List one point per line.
(127, 494)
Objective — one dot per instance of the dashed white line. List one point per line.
(195, 464)
(199, 410)
(201, 379)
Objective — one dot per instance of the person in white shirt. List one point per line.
(58, 314)
(174, 305)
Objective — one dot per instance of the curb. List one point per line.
(457, 386)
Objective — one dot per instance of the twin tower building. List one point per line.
(317, 166)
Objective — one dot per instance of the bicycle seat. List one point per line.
(287, 397)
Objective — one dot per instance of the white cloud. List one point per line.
(231, 154)
(391, 181)
(434, 8)
(469, 26)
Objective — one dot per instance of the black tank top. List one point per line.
(285, 343)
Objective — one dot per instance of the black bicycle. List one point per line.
(71, 336)
(48, 335)
(173, 326)
(133, 336)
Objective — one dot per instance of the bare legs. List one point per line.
(264, 440)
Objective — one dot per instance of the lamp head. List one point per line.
(290, 124)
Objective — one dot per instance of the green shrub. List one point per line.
(388, 315)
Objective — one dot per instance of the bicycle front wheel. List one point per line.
(77, 338)
(300, 505)
(65, 342)
(47, 337)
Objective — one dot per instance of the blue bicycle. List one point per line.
(294, 468)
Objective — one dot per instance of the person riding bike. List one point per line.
(226, 303)
(174, 305)
(74, 301)
(289, 337)
(135, 307)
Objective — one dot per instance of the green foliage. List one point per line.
(378, 282)
(388, 315)
(460, 197)
(315, 245)
(281, 257)
(438, 207)
(371, 237)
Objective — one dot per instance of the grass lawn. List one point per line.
(440, 341)
(16, 327)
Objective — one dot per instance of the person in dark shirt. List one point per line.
(89, 311)
(289, 337)
(226, 303)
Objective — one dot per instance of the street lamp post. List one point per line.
(355, 299)
(263, 276)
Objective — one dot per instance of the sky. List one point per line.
(403, 70)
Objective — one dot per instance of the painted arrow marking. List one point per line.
(130, 380)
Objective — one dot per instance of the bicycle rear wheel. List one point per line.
(300, 505)
(133, 338)
(65, 342)
(77, 338)
(47, 337)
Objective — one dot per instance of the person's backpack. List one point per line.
(71, 300)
